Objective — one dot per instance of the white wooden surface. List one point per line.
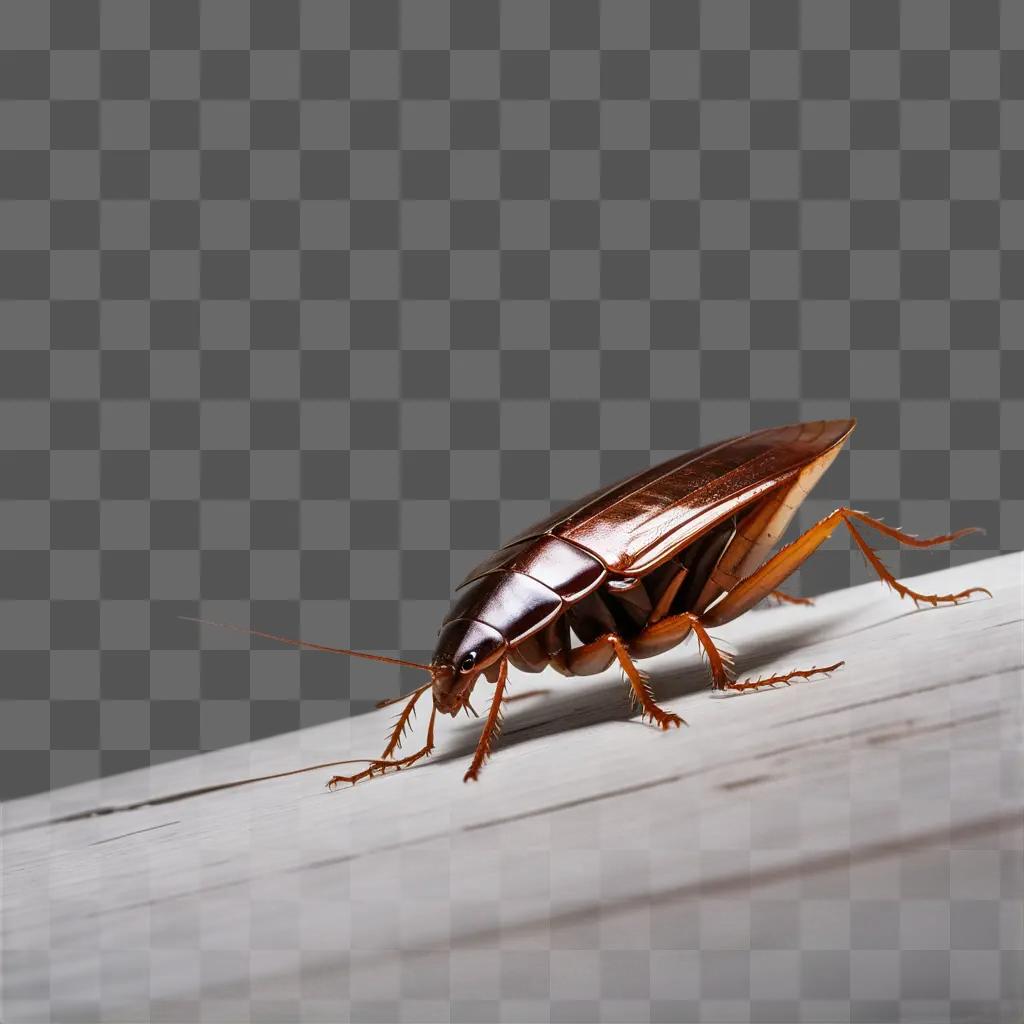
(597, 863)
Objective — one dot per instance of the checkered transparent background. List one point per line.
(306, 305)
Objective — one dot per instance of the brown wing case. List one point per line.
(633, 526)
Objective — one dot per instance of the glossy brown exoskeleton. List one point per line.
(629, 571)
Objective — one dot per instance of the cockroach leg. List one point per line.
(763, 581)
(783, 598)
(492, 726)
(721, 663)
(641, 688)
(597, 655)
(380, 766)
(887, 577)
(756, 684)
(760, 583)
(403, 722)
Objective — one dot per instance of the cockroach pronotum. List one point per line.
(630, 571)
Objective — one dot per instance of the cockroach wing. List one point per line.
(633, 526)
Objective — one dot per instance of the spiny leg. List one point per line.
(754, 588)
(403, 722)
(379, 766)
(760, 583)
(491, 727)
(597, 655)
(756, 684)
(640, 687)
(721, 664)
(905, 538)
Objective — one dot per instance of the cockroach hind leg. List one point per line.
(889, 580)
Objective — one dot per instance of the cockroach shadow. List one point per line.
(608, 700)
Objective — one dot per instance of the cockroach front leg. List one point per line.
(491, 727)
(403, 721)
(379, 766)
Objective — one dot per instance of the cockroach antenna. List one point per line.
(307, 645)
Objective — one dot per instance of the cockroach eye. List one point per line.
(467, 662)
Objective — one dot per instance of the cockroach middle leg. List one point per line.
(783, 598)
(597, 655)
(721, 664)
(757, 684)
(641, 687)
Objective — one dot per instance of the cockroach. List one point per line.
(632, 570)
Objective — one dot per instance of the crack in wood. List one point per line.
(137, 832)
(903, 694)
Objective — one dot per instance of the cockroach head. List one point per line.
(465, 649)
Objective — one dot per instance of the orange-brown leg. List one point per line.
(783, 598)
(720, 662)
(918, 542)
(491, 727)
(597, 655)
(380, 766)
(765, 580)
(759, 584)
(403, 722)
(640, 687)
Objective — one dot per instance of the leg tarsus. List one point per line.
(756, 684)
(783, 598)
(887, 577)
(762, 582)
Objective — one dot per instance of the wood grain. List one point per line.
(897, 782)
